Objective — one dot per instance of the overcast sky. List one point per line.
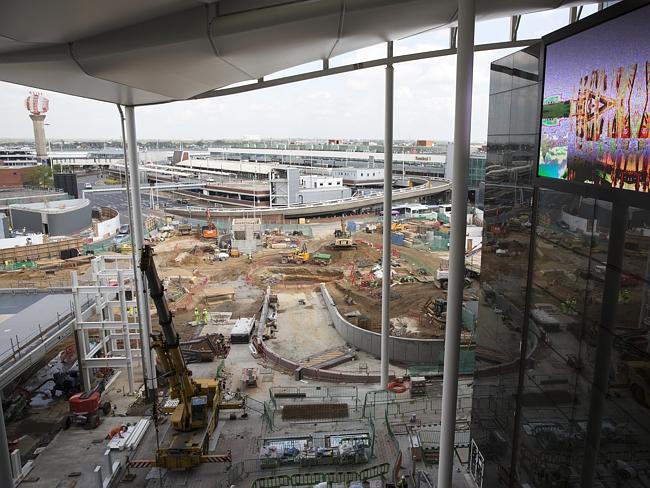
(343, 106)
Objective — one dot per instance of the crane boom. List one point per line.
(157, 293)
(198, 400)
(195, 417)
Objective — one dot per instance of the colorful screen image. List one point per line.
(595, 115)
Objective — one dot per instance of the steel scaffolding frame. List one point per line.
(111, 338)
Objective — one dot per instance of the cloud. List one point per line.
(357, 84)
(404, 92)
(347, 105)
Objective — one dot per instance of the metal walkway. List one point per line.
(29, 351)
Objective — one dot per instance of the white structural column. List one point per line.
(462, 129)
(137, 228)
(79, 333)
(124, 316)
(388, 205)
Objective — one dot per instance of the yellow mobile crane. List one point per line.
(195, 416)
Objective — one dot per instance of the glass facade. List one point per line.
(476, 174)
(539, 382)
(508, 213)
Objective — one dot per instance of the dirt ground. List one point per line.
(406, 306)
(189, 270)
(407, 299)
(26, 278)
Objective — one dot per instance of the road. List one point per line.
(116, 199)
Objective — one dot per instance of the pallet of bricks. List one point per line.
(314, 411)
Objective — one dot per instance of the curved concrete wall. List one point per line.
(577, 223)
(401, 349)
(110, 225)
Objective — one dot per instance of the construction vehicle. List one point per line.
(397, 227)
(636, 376)
(205, 349)
(209, 231)
(184, 229)
(442, 279)
(124, 248)
(471, 271)
(196, 411)
(322, 258)
(343, 238)
(249, 377)
(297, 256)
(370, 228)
(85, 407)
(436, 308)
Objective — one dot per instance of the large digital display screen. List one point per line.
(595, 113)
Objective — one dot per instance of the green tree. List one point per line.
(40, 176)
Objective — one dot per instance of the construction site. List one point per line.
(266, 365)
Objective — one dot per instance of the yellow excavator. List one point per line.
(195, 402)
(343, 239)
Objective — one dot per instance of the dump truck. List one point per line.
(322, 258)
(184, 229)
(297, 256)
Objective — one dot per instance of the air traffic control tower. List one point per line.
(37, 106)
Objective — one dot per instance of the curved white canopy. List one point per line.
(136, 52)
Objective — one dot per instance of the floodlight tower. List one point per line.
(37, 106)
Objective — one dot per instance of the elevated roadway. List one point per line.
(429, 187)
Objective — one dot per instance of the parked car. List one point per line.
(124, 230)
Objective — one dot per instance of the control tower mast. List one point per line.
(37, 106)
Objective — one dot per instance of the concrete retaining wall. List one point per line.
(401, 349)
(108, 227)
(314, 373)
(577, 223)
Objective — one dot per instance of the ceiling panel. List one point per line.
(147, 51)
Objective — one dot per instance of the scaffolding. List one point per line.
(110, 338)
